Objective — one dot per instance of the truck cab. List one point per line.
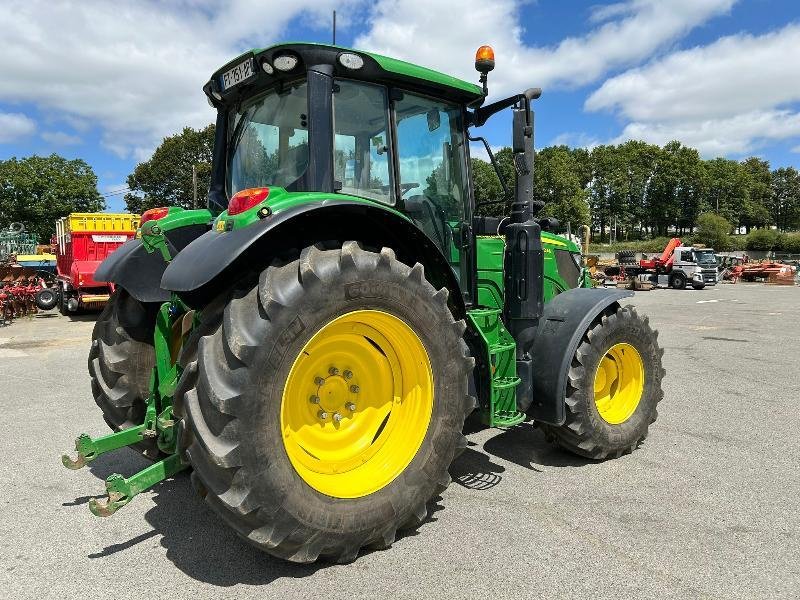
(697, 266)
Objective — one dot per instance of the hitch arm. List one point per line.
(121, 490)
(89, 448)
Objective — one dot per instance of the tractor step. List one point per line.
(501, 357)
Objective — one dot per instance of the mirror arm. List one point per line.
(506, 192)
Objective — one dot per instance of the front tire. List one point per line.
(678, 281)
(613, 387)
(332, 328)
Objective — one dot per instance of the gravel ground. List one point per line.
(708, 507)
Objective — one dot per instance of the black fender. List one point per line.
(132, 267)
(563, 323)
(217, 259)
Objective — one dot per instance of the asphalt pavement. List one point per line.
(708, 507)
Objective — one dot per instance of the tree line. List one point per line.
(648, 190)
(38, 190)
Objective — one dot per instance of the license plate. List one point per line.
(237, 74)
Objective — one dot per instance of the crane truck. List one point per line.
(677, 266)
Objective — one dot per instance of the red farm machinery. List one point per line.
(83, 241)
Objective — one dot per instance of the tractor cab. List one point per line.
(305, 118)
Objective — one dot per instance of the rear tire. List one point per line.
(121, 360)
(591, 429)
(234, 402)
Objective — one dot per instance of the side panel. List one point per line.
(564, 322)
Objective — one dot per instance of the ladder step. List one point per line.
(503, 383)
(508, 418)
(500, 348)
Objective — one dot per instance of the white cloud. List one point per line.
(625, 33)
(796, 149)
(735, 135)
(576, 140)
(60, 138)
(724, 98)
(134, 69)
(14, 126)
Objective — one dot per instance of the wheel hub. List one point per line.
(357, 403)
(619, 383)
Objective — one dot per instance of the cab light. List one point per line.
(484, 59)
(350, 60)
(287, 62)
(154, 214)
(246, 199)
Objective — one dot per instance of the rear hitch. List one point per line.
(121, 490)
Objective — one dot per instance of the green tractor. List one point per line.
(313, 351)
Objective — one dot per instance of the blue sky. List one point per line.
(107, 81)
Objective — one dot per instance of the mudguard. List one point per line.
(131, 266)
(216, 253)
(564, 321)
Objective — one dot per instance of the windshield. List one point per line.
(705, 257)
(268, 140)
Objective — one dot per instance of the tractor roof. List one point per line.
(377, 68)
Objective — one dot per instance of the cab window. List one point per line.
(361, 141)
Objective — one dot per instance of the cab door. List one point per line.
(433, 177)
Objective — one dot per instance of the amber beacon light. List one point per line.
(484, 59)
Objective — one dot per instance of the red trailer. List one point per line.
(83, 240)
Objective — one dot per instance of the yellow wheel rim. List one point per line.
(357, 404)
(619, 383)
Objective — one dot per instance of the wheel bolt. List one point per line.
(337, 417)
(319, 380)
(355, 389)
(322, 415)
(348, 374)
(350, 406)
(333, 371)
(314, 399)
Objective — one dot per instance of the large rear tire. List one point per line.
(343, 332)
(121, 360)
(613, 387)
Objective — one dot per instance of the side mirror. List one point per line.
(434, 119)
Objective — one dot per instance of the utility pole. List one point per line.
(334, 28)
(194, 185)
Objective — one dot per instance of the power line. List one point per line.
(116, 192)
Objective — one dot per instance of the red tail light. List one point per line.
(245, 199)
(154, 214)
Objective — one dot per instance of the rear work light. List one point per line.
(154, 214)
(245, 199)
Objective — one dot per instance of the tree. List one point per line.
(39, 190)
(487, 188)
(714, 231)
(727, 191)
(759, 193)
(166, 179)
(557, 183)
(785, 202)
